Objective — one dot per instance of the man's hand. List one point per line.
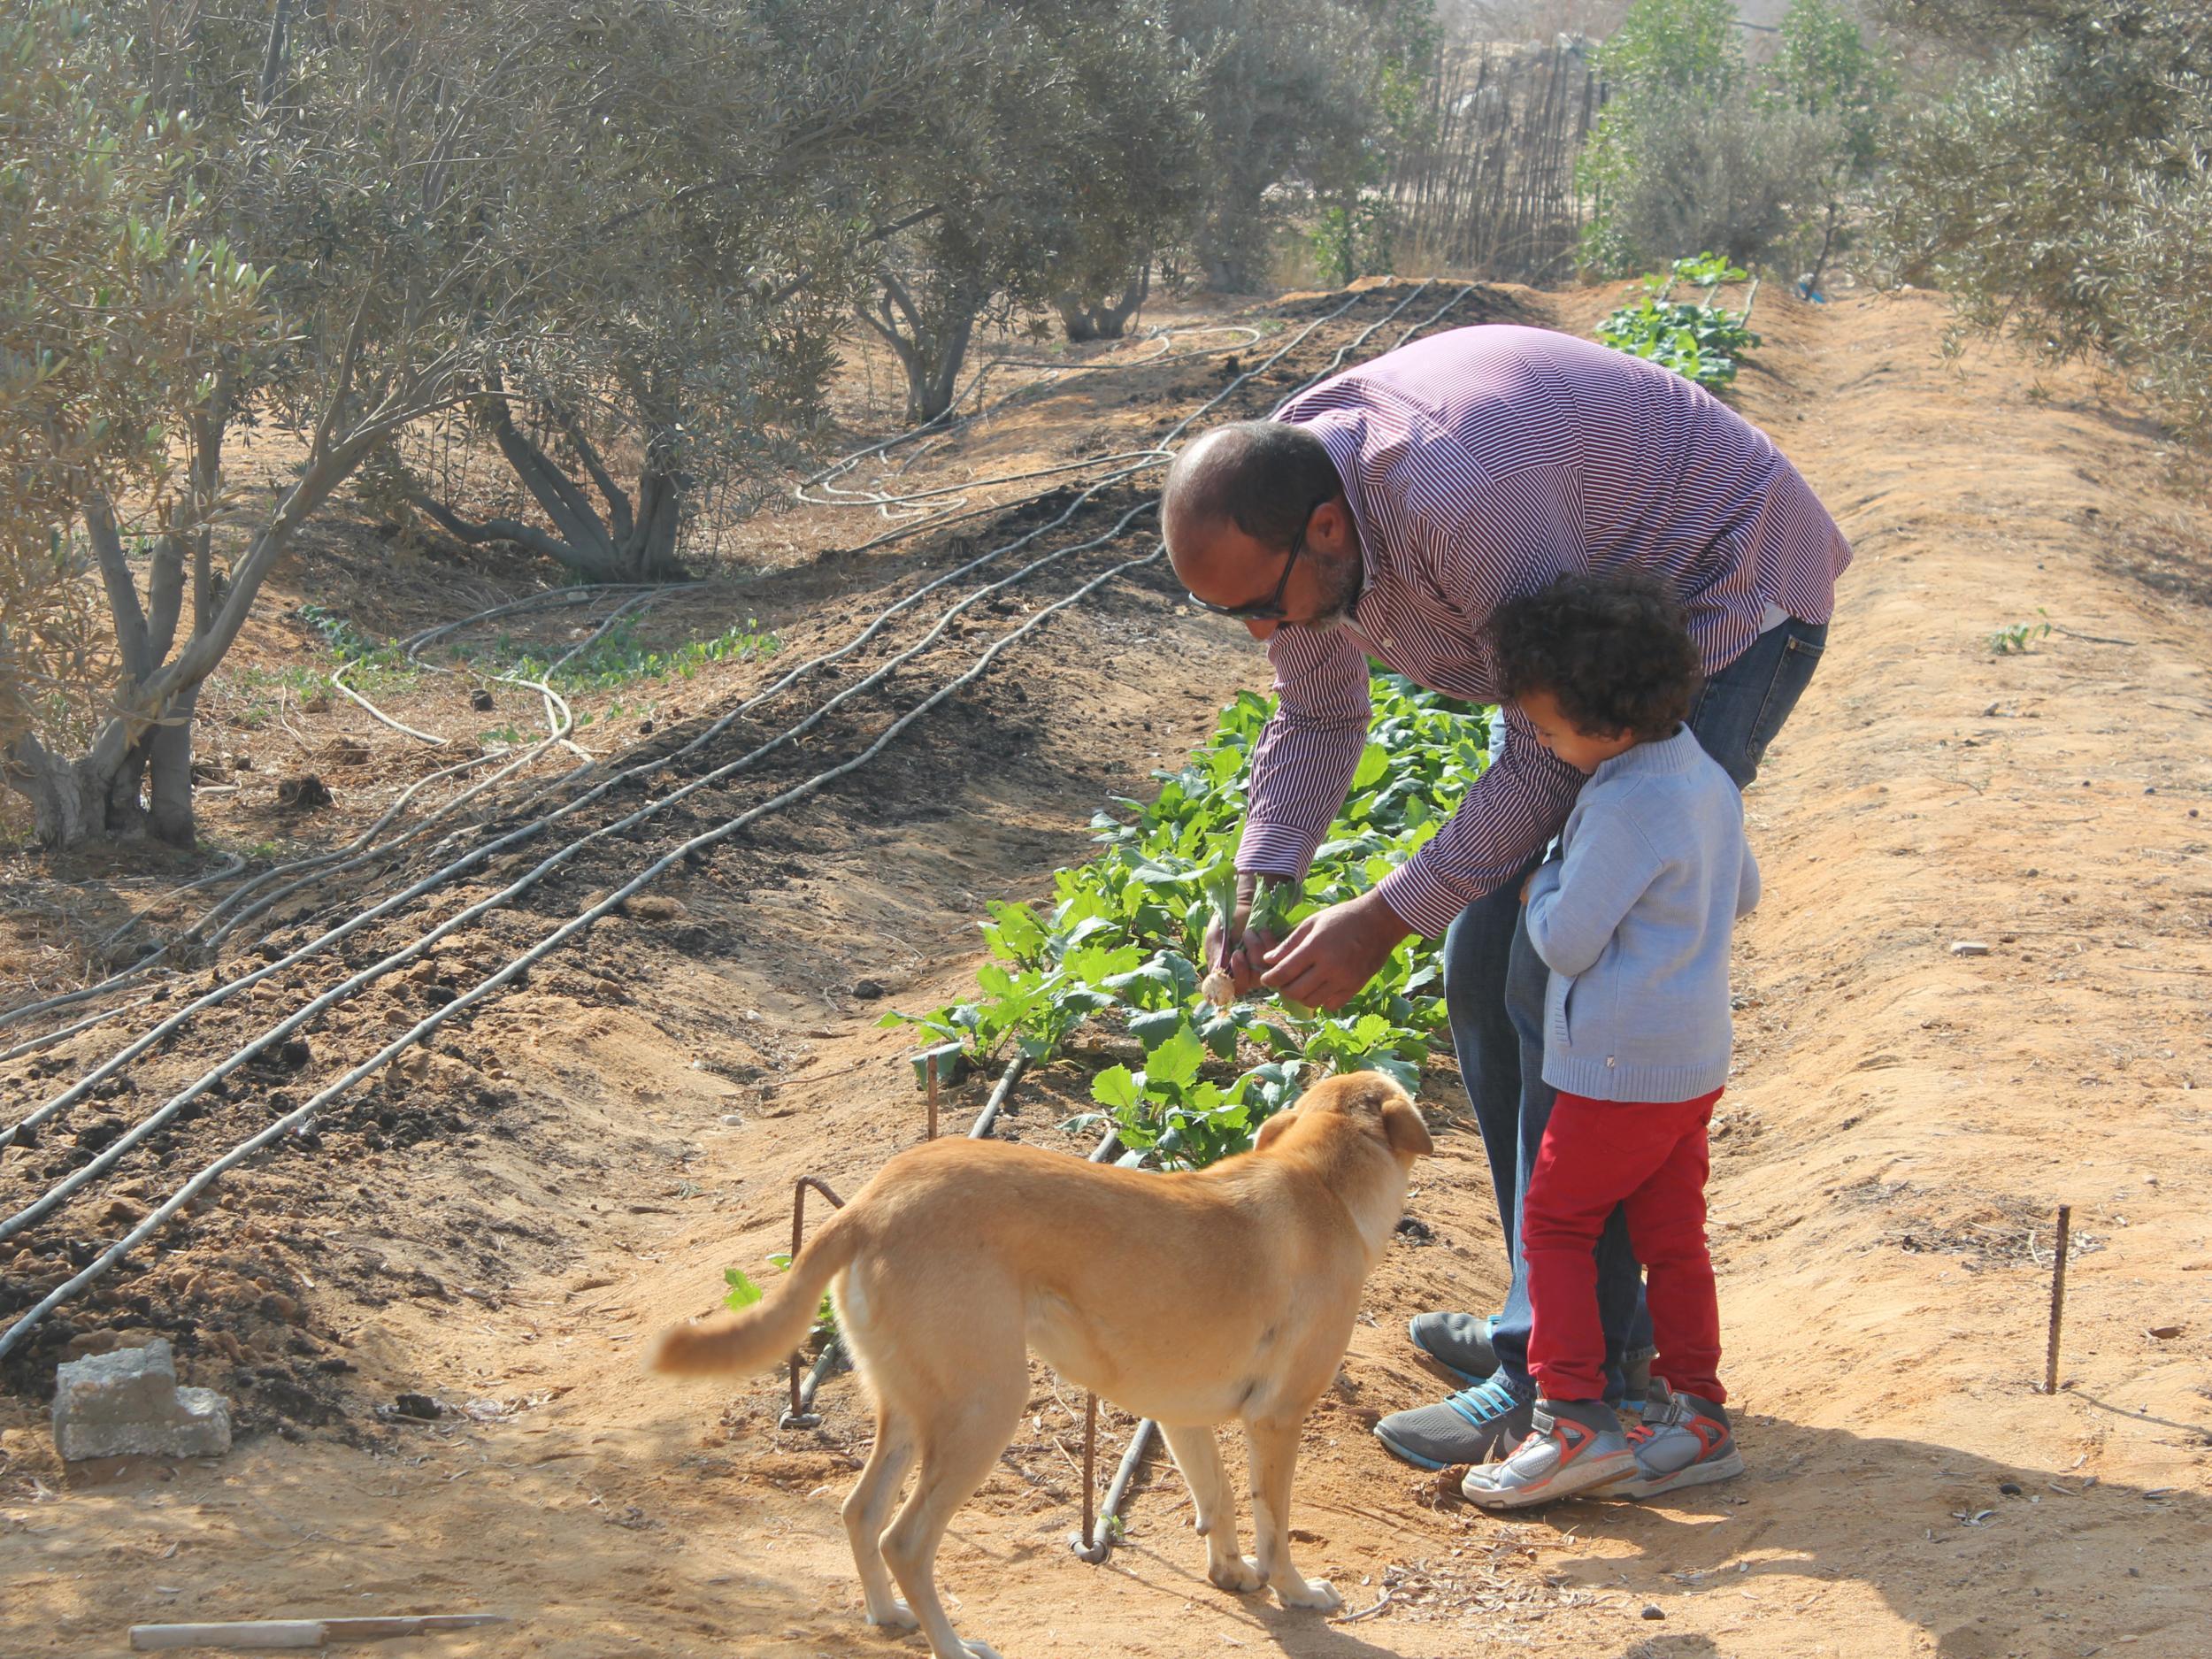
(1251, 946)
(1331, 955)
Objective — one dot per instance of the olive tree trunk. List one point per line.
(630, 537)
(930, 341)
(136, 780)
(1106, 319)
(136, 777)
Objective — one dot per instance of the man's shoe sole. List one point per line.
(1506, 1446)
(1403, 1455)
(1700, 1474)
(1584, 1478)
(1413, 1337)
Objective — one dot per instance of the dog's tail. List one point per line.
(767, 1331)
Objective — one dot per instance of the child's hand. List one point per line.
(1525, 880)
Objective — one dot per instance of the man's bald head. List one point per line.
(1265, 477)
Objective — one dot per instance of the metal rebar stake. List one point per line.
(1090, 1470)
(2058, 1297)
(800, 1416)
(1095, 1542)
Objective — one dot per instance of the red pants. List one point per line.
(1651, 1160)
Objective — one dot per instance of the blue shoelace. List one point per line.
(1486, 1401)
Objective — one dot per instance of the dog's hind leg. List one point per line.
(868, 1505)
(1273, 1450)
(961, 1436)
(1198, 1454)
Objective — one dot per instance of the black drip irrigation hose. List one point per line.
(112, 1153)
(364, 848)
(452, 870)
(1105, 1527)
(446, 874)
(33, 1045)
(301, 1117)
(986, 1120)
(827, 1364)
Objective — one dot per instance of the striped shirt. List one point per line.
(1480, 465)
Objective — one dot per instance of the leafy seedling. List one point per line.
(2015, 641)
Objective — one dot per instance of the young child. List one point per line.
(1634, 921)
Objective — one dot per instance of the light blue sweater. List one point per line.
(1633, 922)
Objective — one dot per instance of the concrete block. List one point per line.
(106, 1405)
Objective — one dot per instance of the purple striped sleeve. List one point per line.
(1505, 817)
(1303, 764)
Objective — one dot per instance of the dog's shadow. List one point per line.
(1299, 1631)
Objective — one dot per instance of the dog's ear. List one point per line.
(1273, 1130)
(1402, 1127)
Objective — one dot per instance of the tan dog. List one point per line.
(1191, 1298)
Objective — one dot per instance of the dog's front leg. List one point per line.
(1272, 1449)
(1198, 1454)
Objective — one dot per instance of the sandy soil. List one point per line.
(578, 1167)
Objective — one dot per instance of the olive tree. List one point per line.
(1043, 182)
(2060, 187)
(1297, 94)
(1133, 182)
(715, 198)
(123, 316)
(363, 166)
(1697, 149)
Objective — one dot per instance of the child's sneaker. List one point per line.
(1573, 1446)
(1683, 1440)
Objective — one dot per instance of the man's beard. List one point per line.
(1343, 595)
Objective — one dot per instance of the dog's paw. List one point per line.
(898, 1616)
(980, 1650)
(1319, 1594)
(1240, 1575)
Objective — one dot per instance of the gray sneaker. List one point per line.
(1683, 1440)
(1573, 1447)
(1460, 1342)
(1476, 1425)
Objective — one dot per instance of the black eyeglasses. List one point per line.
(1270, 610)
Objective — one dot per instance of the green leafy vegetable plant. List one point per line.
(1120, 940)
(2014, 641)
(1698, 340)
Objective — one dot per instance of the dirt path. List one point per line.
(1903, 1121)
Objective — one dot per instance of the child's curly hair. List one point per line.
(1614, 651)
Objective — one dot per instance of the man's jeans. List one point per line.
(1500, 1038)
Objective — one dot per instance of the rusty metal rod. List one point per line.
(1089, 1544)
(1099, 1542)
(2058, 1297)
(800, 1417)
(1090, 1467)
